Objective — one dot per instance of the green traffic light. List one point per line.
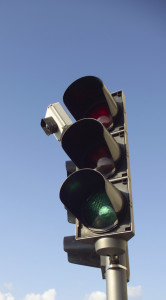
(98, 212)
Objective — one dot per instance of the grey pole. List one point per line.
(116, 273)
(116, 281)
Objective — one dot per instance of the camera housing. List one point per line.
(56, 120)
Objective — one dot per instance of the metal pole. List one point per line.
(116, 281)
(116, 273)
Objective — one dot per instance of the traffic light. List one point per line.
(98, 193)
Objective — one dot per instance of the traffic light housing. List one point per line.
(98, 193)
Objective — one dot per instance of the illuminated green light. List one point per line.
(98, 212)
(104, 210)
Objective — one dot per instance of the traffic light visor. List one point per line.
(88, 97)
(89, 145)
(86, 194)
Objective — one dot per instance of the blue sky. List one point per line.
(44, 47)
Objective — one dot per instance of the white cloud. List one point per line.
(6, 296)
(135, 291)
(96, 296)
(48, 295)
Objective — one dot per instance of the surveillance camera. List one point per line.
(56, 120)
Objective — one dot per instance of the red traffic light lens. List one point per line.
(102, 114)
